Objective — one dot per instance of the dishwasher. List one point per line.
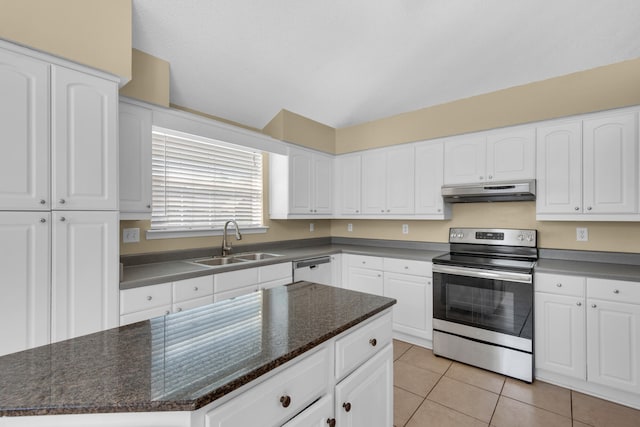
(317, 270)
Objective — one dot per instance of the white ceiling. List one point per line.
(345, 62)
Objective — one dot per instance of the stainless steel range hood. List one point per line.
(490, 192)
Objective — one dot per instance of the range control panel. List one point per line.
(494, 236)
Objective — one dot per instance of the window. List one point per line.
(199, 184)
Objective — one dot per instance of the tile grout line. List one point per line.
(493, 414)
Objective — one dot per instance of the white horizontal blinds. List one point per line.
(200, 184)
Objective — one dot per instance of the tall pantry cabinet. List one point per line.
(58, 200)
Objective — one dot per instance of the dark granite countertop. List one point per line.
(182, 361)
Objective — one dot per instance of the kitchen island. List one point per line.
(304, 342)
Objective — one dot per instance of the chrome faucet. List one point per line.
(226, 246)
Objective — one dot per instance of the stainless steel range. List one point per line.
(483, 300)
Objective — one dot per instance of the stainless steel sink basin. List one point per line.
(255, 256)
(218, 261)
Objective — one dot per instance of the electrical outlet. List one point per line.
(582, 234)
(131, 235)
(405, 228)
(312, 226)
(349, 227)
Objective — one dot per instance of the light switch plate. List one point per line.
(349, 227)
(405, 228)
(131, 235)
(312, 226)
(582, 234)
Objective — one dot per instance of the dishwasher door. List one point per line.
(316, 270)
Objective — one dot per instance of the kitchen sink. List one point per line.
(255, 256)
(218, 261)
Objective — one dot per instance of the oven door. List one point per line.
(498, 301)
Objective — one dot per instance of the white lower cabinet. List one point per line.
(26, 277)
(587, 335)
(363, 273)
(273, 275)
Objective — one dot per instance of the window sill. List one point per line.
(181, 234)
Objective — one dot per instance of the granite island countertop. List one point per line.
(182, 361)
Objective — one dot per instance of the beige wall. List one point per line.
(291, 127)
(96, 33)
(150, 79)
(602, 88)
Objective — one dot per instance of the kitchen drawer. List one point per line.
(273, 272)
(416, 268)
(614, 290)
(317, 415)
(192, 303)
(235, 279)
(279, 398)
(139, 316)
(358, 346)
(145, 298)
(559, 284)
(274, 283)
(365, 261)
(188, 289)
(219, 296)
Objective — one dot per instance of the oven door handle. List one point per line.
(484, 274)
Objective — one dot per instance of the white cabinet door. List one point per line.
(25, 266)
(365, 398)
(135, 161)
(560, 327)
(300, 181)
(348, 183)
(414, 299)
(374, 182)
(429, 160)
(84, 141)
(364, 280)
(24, 120)
(464, 160)
(511, 155)
(322, 189)
(613, 344)
(610, 150)
(85, 273)
(400, 180)
(559, 169)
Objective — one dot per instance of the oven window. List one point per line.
(495, 305)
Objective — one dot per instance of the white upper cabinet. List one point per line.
(135, 126)
(588, 169)
(25, 266)
(24, 120)
(85, 273)
(301, 184)
(84, 141)
(610, 164)
(348, 184)
(429, 160)
(465, 160)
(388, 181)
(500, 156)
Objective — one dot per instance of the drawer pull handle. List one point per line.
(43, 220)
(373, 342)
(167, 313)
(195, 288)
(42, 202)
(593, 305)
(616, 291)
(331, 422)
(579, 304)
(149, 298)
(559, 285)
(285, 400)
(346, 406)
(62, 201)
(406, 267)
(179, 309)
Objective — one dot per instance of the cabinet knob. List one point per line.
(482, 177)
(148, 206)
(382, 210)
(166, 313)
(559, 285)
(63, 219)
(62, 201)
(579, 304)
(616, 291)
(388, 210)
(195, 288)
(179, 309)
(357, 211)
(346, 406)
(406, 267)
(577, 208)
(593, 305)
(364, 262)
(373, 342)
(490, 176)
(149, 298)
(285, 401)
(331, 422)
(439, 210)
(42, 202)
(589, 208)
(43, 220)
(379, 275)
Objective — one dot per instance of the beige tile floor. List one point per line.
(434, 391)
